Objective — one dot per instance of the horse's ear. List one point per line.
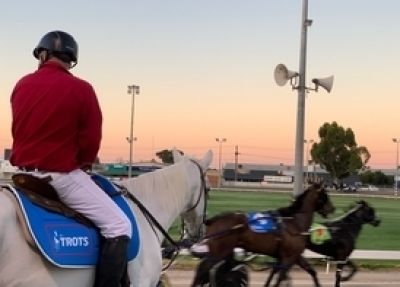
(177, 155)
(320, 186)
(206, 160)
(362, 202)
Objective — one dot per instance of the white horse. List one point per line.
(167, 193)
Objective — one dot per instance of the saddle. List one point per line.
(63, 236)
(39, 191)
(264, 222)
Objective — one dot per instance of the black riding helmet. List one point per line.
(60, 45)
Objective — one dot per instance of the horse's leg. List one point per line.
(303, 263)
(282, 275)
(279, 268)
(271, 275)
(202, 276)
(353, 270)
(339, 268)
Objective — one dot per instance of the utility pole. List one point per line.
(220, 141)
(236, 162)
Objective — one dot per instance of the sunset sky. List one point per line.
(205, 70)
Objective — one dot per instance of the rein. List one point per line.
(347, 221)
(152, 220)
(225, 232)
(148, 215)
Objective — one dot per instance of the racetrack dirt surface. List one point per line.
(364, 278)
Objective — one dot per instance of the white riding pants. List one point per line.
(77, 190)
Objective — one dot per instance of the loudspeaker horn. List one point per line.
(326, 83)
(282, 74)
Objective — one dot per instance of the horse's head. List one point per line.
(366, 213)
(321, 199)
(195, 213)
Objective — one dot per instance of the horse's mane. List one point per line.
(355, 205)
(294, 207)
(297, 203)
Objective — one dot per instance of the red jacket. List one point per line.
(56, 120)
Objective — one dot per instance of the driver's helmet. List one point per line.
(60, 45)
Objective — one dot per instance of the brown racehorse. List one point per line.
(230, 230)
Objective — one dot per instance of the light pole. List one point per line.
(396, 173)
(282, 75)
(132, 90)
(307, 142)
(299, 147)
(220, 141)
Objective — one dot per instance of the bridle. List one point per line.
(204, 189)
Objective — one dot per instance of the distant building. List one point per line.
(6, 170)
(122, 170)
(249, 172)
(253, 173)
(7, 153)
(213, 177)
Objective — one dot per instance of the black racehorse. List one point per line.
(229, 230)
(344, 233)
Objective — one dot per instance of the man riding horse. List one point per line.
(56, 129)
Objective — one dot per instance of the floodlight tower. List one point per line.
(396, 173)
(132, 90)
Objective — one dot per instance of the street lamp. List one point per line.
(396, 173)
(132, 90)
(307, 142)
(220, 141)
(298, 81)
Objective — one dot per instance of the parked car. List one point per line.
(368, 187)
(349, 188)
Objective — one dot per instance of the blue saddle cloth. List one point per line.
(66, 242)
(262, 222)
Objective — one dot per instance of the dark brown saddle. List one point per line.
(40, 192)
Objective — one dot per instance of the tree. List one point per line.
(375, 178)
(166, 156)
(338, 152)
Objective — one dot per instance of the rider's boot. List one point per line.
(112, 262)
(125, 280)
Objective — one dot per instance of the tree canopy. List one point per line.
(337, 151)
(376, 178)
